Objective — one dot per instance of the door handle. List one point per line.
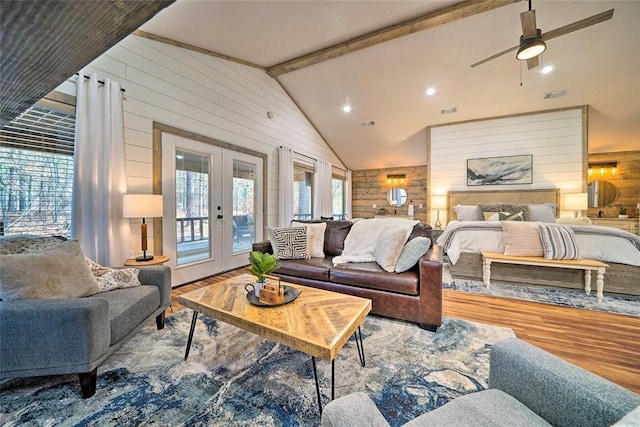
(219, 216)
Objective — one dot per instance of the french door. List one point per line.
(213, 201)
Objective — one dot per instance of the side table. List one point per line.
(157, 260)
(435, 233)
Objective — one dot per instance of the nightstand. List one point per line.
(157, 260)
(435, 233)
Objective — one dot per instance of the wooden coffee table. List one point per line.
(317, 323)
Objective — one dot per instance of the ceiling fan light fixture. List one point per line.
(530, 48)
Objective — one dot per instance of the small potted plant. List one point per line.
(622, 212)
(261, 265)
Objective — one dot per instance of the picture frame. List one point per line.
(505, 170)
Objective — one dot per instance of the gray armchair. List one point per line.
(527, 387)
(63, 336)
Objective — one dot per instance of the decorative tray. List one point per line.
(290, 293)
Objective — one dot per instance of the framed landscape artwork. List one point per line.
(506, 170)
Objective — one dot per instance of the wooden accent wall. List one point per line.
(370, 187)
(627, 179)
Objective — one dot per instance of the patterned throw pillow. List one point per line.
(113, 278)
(522, 238)
(502, 216)
(24, 244)
(558, 242)
(291, 242)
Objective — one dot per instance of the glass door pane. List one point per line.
(192, 206)
(244, 205)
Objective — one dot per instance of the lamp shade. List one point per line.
(141, 205)
(576, 201)
(438, 202)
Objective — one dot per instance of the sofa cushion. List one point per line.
(334, 235)
(421, 230)
(313, 268)
(370, 275)
(484, 408)
(129, 307)
(57, 272)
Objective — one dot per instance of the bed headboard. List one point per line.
(545, 195)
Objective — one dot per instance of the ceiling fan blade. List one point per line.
(533, 62)
(528, 20)
(578, 25)
(492, 57)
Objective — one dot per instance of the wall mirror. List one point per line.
(396, 197)
(601, 194)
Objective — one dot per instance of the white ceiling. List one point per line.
(598, 66)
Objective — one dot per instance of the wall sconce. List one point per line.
(602, 169)
(437, 203)
(396, 178)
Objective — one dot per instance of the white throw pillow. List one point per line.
(315, 237)
(389, 247)
(522, 238)
(545, 212)
(413, 250)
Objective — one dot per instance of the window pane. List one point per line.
(337, 196)
(302, 193)
(36, 173)
(244, 183)
(192, 207)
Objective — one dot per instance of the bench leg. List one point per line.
(486, 272)
(600, 284)
(587, 281)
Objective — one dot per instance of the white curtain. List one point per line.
(348, 194)
(322, 200)
(99, 178)
(285, 185)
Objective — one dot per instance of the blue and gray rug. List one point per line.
(613, 303)
(234, 377)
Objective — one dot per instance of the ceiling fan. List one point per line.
(532, 40)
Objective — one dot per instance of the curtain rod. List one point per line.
(101, 82)
(309, 157)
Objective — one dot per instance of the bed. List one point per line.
(465, 238)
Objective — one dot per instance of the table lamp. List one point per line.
(576, 202)
(142, 206)
(437, 203)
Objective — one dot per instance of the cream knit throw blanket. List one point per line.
(361, 241)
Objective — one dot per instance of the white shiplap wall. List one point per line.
(208, 96)
(553, 138)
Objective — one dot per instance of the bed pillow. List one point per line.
(58, 272)
(522, 238)
(315, 237)
(411, 253)
(389, 246)
(545, 212)
(467, 212)
(503, 207)
(291, 242)
(558, 242)
(503, 216)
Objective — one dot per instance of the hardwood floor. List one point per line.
(604, 343)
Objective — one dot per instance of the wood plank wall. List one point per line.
(370, 187)
(627, 179)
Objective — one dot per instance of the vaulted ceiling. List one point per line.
(385, 83)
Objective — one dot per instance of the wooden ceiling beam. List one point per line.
(422, 22)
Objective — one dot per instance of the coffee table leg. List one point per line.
(360, 345)
(315, 375)
(193, 327)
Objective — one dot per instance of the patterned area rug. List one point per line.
(234, 377)
(614, 303)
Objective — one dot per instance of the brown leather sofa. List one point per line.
(414, 295)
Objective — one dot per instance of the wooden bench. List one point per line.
(577, 264)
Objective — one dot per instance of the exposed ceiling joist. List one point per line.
(422, 22)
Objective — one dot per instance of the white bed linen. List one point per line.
(604, 244)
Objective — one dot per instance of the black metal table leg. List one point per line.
(193, 327)
(315, 375)
(360, 345)
(333, 378)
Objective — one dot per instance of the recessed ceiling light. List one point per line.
(547, 69)
(346, 108)
(431, 91)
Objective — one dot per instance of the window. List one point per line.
(338, 197)
(36, 171)
(302, 191)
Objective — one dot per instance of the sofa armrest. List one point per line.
(264, 247)
(355, 409)
(52, 336)
(430, 266)
(558, 391)
(160, 276)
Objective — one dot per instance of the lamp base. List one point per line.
(144, 258)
